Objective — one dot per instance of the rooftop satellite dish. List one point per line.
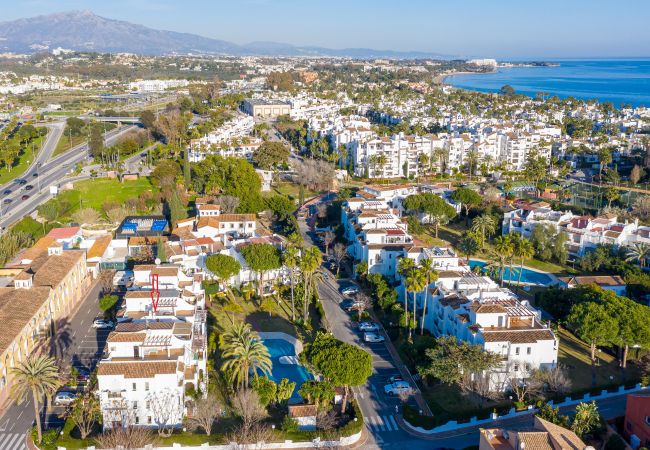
(157, 261)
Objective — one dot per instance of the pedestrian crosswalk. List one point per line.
(12, 441)
(381, 423)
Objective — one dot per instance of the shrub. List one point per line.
(289, 424)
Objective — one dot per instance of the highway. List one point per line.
(15, 205)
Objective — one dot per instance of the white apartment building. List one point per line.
(156, 85)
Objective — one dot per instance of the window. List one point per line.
(137, 420)
(516, 367)
(149, 419)
(516, 350)
(146, 386)
(133, 387)
(528, 350)
(135, 405)
(527, 367)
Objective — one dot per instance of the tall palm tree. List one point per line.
(309, 264)
(430, 275)
(244, 353)
(404, 268)
(291, 260)
(415, 282)
(638, 252)
(472, 161)
(38, 375)
(503, 251)
(441, 155)
(523, 249)
(485, 226)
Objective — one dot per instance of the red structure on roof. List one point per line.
(155, 292)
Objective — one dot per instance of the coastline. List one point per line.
(441, 79)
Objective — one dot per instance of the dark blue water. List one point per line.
(616, 81)
(297, 373)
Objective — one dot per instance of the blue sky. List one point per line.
(489, 28)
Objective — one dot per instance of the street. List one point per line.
(81, 345)
(50, 173)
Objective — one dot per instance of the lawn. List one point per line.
(574, 354)
(22, 162)
(67, 142)
(291, 190)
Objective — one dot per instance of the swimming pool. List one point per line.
(527, 276)
(297, 373)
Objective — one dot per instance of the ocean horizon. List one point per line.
(620, 81)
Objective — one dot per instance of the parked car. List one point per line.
(102, 324)
(6, 201)
(397, 388)
(7, 192)
(373, 337)
(64, 398)
(368, 326)
(83, 374)
(395, 379)
(24, 197)
(347, 304)
(29, 187)
(350, 290)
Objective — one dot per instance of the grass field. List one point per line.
(290, 189)
(95, 192)
(67, 142)
(22, 163)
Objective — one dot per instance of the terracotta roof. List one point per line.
(481, 308)
(126, 337)
(518, 336)
(538, 440)
(601, 280)
(99, 246)
(146, 240)
(37, 249)
(56, 268)
(63, 233)
(214, 221)
(131, 327)
(136, 369)
(564, 438)
(17, 308)
(302, 410)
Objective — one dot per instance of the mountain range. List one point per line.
(86, 31)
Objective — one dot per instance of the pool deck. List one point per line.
(297, 345)
(554, 279)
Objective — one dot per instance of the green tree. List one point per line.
(309, 264)
(176, 210)
(244, 351)
(38, 377)
(284, 391)
(161, 253)
(611, 194)
(148, 119)
(271, 154)
(503, 250)
(266, 390)
(223, 267)
(262, 258)
(430, 275)
(405, 267)
(291, 259)
(522, 249)
(343, 364)
(638, 252)
(96, 140)
(507, 90)
(468, 199)
(604, 159)
(415, 282)
(468, 245)
(593, 324)
(108, 302)
(484, 226)
(85, 413)
(319, 393)
(586, 419)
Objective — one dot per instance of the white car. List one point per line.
(368, 326)
(102, 324)
(350, 290)
(64, 398)
(373, 337)
(397, 388)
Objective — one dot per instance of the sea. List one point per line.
(607, 80)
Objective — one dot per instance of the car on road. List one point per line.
(348, 304)
(21, 181)
(6, 201)
(373, 338)
(64, 398)
(29, 187)
(7, 192)
(35, 174)
(24, 197)
(368, 326)
(397, 388)
(350, 290)
(102, 324)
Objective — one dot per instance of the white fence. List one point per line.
(568, 401)
(316, 443)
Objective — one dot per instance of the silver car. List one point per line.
(373, 337)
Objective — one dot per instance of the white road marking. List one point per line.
(391, 421)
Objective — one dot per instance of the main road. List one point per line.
(22, 201)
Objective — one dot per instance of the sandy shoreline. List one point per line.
(440, 79)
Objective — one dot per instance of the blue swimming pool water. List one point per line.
(527, 276)
(297, 373)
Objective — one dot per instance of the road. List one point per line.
(50, 173)
(82, 345)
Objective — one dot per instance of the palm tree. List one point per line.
(430, 275)
(404, 267)
(437, 220)
(309, 264)
(291, 260)
(523, 249)
(244, 351)
(503, 251)
(472, 161)
(441, 155)
(468, 246)
(38, 375)
(415, 282)
(485, 226)
(638, 252)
